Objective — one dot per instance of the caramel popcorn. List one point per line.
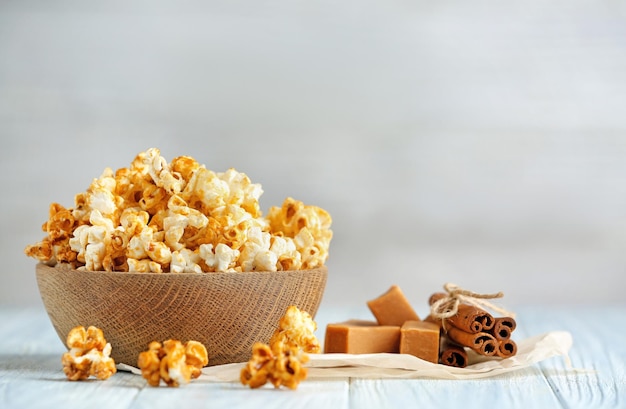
(173, 362)
(280, 364)
(180, 217)
(55, 247)
(289, 367)
(88, 355)
(296, 328)
(282, 361)
(309, 226)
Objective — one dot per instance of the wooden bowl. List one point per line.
(227, 312)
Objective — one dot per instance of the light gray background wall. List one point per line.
(482, 143)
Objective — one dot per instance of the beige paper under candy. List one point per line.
(402, 366)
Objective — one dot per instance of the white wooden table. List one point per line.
(31, 375)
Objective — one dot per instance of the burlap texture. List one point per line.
(227, 312)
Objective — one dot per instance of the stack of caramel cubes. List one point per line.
(397, 328)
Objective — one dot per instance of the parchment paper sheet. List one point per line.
(402, 366)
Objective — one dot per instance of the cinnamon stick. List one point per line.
(435, 297)
(481, 342)
(468, 318)
(451, 354)
(506, 348)
(503, 327)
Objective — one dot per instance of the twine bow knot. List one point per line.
(448, 305)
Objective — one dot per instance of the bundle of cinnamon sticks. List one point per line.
(472, 328)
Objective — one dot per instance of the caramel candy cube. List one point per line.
(361, 337)
(420, 339)
(392, 308)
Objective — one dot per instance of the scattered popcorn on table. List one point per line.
(256, 373)
(173, 362)
(180, 217)
(89, 355)
(296, 328)
(289, 367)
(282, 361)
(280, 364)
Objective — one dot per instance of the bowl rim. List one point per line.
(66, 268)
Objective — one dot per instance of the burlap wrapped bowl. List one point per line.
(227, 312)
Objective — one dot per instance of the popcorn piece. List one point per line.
(196, 357)
(174, 363)
(194, 217)
(61, 223)
(193, 237)
(282, 361)
(153, 199)
(233, 223)
(289, 258)
(222, 259)
(309, 226)
(55, 247)
(294, 215)
(143, 266)
(257, 371)
(159, 252)
(89, 355)
(138, 243)
(115, 251)
(289, 367)
(185, 166)
(256, 254)
(99, 196)
(90, 241)
(178, 218)
(148, 246)
(149, 362)
(313, 254)
(158, 169)
(279, 364)
(242, 191)
(296, 328)
(42, 251)
(185, 261)
(205, 190)
(133, 220)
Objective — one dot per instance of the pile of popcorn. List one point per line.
(180, 217)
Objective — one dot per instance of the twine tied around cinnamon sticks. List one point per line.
(448, 305)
